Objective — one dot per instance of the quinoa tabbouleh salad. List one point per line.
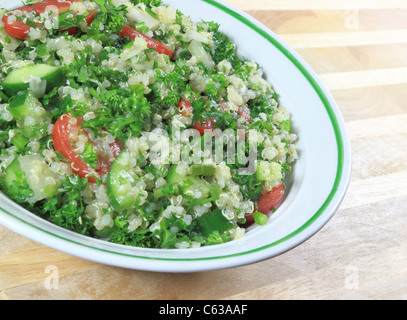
(125, 120)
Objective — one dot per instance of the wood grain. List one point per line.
(318, 4)
(359, 50)
(341, 39)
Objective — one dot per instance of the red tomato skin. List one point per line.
(17, 29)
(62, 144)
(62, 5)
(207, 125)
(20, 30)
(267, 202)
(151, 43)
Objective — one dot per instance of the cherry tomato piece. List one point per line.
(64, 135)
(19, 30)
(266, 203)
(151, 43)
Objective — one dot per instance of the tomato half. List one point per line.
(19, 30)
(151, 43)
(267, 202)
(64, 135)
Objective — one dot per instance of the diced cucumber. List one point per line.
(191, 34)
(40, 178)
(31, 176)
(196, 187)
(159, 193)
(215, 190)
(190, 185)
(121, 180)
(35, 131)
(137, 14)
(11, 175)
(268, 171)
(26, 105)
(18, 79)
(31, 118)
(165, 190)
(176, 175)
(197, 50)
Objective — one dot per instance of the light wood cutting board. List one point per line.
(359, 49)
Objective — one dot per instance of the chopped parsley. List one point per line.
(123, 91)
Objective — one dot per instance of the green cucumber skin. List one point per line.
(13, 182)
(119, 202)
(23, 105)
(187, 183)
(173, 177)
(13, 84)
(111, 189)
(17, 177)
(10, 173)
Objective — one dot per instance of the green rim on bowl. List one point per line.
(335, 125)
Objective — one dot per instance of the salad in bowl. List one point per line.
(127, 121)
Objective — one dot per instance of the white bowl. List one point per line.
(316, 188)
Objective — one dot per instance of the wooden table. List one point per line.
(359, 49)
